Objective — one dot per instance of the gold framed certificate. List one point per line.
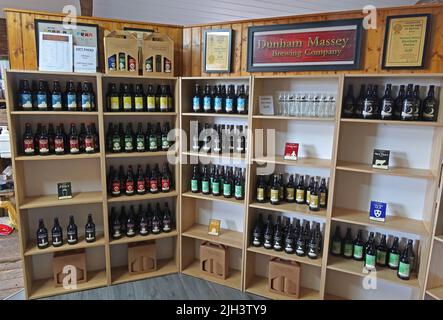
(214, 227)
(217, 49)
(406, 41)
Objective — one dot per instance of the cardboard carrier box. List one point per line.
(158, 55)
(121, 53)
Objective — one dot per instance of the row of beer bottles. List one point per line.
(217, 99)
(220, 138)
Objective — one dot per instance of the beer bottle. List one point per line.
(157, 98)
(387, 104)
(42, 235)
(170, 98)
(153, 147)
(369, 104)
(150, 99)
(122, 178)
(275, 189)
(139, 98)
(89, 140)
(417, 103)
(42, 96)
(141, 183)
(370, 239)
(337, 243)
(24, 96)
(314, 199)
(109, 135)
(261, 189)
(268, 237)
(86, 97)
(56, 97)
(394, 255)
(300, 248)
(166, 179)
(43, 142)
(116, 225)
(215, 184)
(377, 110)
(37, 137)
(72, 231)
(207, 99)
(278, 235)
(57, 234)
(205, 181)
(165, 145)
(197, 99)
(257, 233)
(51, 138)
(319, 238)
(129, 139)
(300, 191)
(115, 184)
(348, 245)
(114, 103)
(290, 239)
(323, 190)
(408, 108)
(143, 224)
(399, 102)
(167, 219)
(156, 222)
(239, 191)
(430, 106)
(28, 141)
(359, 247)
(359, 104)
(195, 180)
(127, 98)
(227, 185)
(116, 141)
(370, 255)
(309, 190)
(290, 190)
(90, 230)
(130, 224)
(81, 138)
(164, 99)
(140, 138)
(74, 143)
(230, 100)
(313, 247)
(405, 264)
(123, 220)
(218, 100)
(242, 106)
(382, 252)
(129, 185)
(349, 103)
(281, 188)
(153, 181)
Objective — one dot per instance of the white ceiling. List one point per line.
(184, 12)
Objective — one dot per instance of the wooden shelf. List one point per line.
(55, 113)
(356, 268)
(54, 73)
(148, 196)
(52, 200)
(45, 288)
(293, 118)
(232, 156)
(392, 222)
(32, 249)
(210, 197)
(139, 154)
(227, 237)
(59, 157)
(289, 207)
(164, 267)
(436, 293)
(259, 286)
(135, 114)
(399, 172)
(137, 76)
(215, 115)
(394, 122)
(234, 279)
(285, 256)
(139, 238)
(439, 238)
(301, 162)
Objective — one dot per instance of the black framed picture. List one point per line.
(406, 41)
(217, 51)
(83, 34)
(326, 45)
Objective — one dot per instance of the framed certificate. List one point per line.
(406, 41)
(217, 50)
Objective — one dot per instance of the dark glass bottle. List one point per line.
(309, 189)
(417, 103)
(195, 180)
(290, 190)
(42, 235)
(42, 96)
(257, 233)
(218, 100)
(116, 225)
(268, 240)
(215, 185)
(74, 143)
(359, 247)
(129, 139)
(197, 99)
(153, 147)
(370, 255)
(405, 265)
(116, 141)
(369, 104)
(141, 182)
(70, 97)
(86, 97)
(382, 252)
(313, 246)
(24, 96)
(127, 98)
(349, 103)
(140, 139)
(377, 109)
(156, 220)
(28, 141)
(387, 104)
(81, 137)
(227, 185)
(167, 219)
(242, 100)
(57, 234)
(150, 99)
(139, 98)
(261, 189)
(323, 190)
(399, 102)
(290, 240)
(394, 255)
(43, 142)
(230, 100)
(56, 97)
(130, 183)
(239, 192)
(153, 180)
(165, 142)
(114, 100)
(337, 243)
(207, 99)
(164, 99)
(89, 140)
(72, 231)
(300, 191)
(166, 179)
(205, 181)
(274, 197)
(300, 247)
(314, 199)
(348, 245)
(360, 102)
(90, 230)
(143, 228)
(278, 243)
(430, 106)
(408, 107)
(130, 223)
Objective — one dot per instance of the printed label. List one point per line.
(290, 194)
(370, 262)
(358, 252)
(153, 187)
(57, 101)
(166, 184)
(226, 189)
(72, 101)
(138, 103)
(89, 144)
(196, 103)
(28, 146)
(404, 269)
(229, 104)
(300, 195)
(215, 188)
(260, 194)
(394, 260)
(163, 103)
(141, 186)
(241, 102)
(42, 103)
(218, 104)
(26, 101)
(207, 103)
(238, 191)
(151, 103)
(127, 103)
(140, 143)
(86, 102)
(205, 186)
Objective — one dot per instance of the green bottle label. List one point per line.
(205, 186)
(116, 144)
(404, 269)
(394, 259)
(194, 185)
(381, 257)
(370, 261)
(358, 252)
(238, 191)
(165, 143)
(348, 250)
(141, 144)
(227, 189)
(216, 188)
(336, 247)
(152, 143)
(128, 144)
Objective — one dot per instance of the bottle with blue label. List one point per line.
(70, 96)
(42, 96)
(56, 97)
(86, 98)
(242, 101)
(197, 99)
(230, 100)
(207, 99)
(218, 99)
(24, 96)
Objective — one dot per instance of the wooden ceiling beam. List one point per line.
(87, 7)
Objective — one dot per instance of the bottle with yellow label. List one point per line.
(261, 189)
(290, 190)
(309, 190)
(164, 100)
(275, 188)
(150, 99)
(127, 98)
(323, 190)
(113, 98)
(300, 191)
(314, 203)
(139, 98)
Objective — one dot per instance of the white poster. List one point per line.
(85, 59)
(55, 52)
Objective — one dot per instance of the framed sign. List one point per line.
(64, 190)
(84, 34)
(214, 227)
(217, 50)
(328, 45)
(55, 52)
(406, 41)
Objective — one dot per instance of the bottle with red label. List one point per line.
(141, 186)
(74, 143)
(147, 177)
(130, 188)
(166, 180)
(59, 142)
(115, 183)
(43, 142)
(153, 180)
(81, 138)
(89, 141)
(28, 141)
(65, 137)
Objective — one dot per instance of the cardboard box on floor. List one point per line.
(158, 55)
(121, 53)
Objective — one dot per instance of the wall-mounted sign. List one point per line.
(217, 49)
(55, 52)
(328, 45)
(405, 41)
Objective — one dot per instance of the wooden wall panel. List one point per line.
(3, 38)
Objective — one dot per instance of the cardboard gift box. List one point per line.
(284, 277)
(214, 260)
(142, 257)
(121, 53)
(158, 55)
(75, 258)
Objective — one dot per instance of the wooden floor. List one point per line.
(11, 276)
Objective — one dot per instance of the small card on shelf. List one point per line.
(291, 151)
(64, 190)
(377, 212)
(214, 227)
(381, 159)
(266, 105)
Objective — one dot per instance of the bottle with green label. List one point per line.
(152, 140)
(370, 239)
(139, 98)
(205, 181)
(359, 247)
(394, 255)
(215, 185)
(195, 180)
(405, 264)
(348, 245)
(370, 256)
(382, 252)
(129, 139)
(227, 185)
(116, 141)
(140, 138)
(337, 243)
(239, 186)
(165, 145)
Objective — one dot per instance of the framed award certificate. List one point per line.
(217, 49)
(406, 41)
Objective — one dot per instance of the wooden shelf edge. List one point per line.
(215, 115)
(60, 157)
(215, 156)
(293, 118)
(283, 208)
(234, 279)
(285, 256)
(164, 267)
(259, 287)
(52, 200)
(139, 238)
(32, 250)
(393, 122)
(134, 114)
(201, 196)
(301, 162)
(139, 154)
(148, 196)
(227, 237)
(436, 293)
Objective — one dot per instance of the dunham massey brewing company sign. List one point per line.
(330, 45)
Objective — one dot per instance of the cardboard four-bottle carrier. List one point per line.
(122, 58)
